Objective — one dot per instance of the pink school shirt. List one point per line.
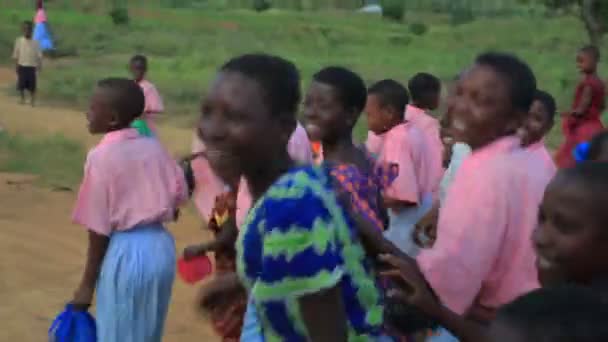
(299, 149)
(129, 180)
(405, 146)
(483, 254)
(539, 151)
(430, 128)
(40, 16)
(154, 103)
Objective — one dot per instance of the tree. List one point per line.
(593, 13)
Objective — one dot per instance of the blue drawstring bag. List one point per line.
(73, 326)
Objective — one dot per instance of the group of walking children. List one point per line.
(453, 229)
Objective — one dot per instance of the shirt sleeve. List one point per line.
(16, 49)
(405, 185)
(92, 208)
(154, 103)
(299, 243)
(472, 224)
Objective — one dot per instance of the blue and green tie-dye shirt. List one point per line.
(297, 241)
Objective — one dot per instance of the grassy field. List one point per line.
(186, 46)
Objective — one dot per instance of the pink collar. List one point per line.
(504, 144)
(119, 135)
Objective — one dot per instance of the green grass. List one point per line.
(186, 46)
(55, 159)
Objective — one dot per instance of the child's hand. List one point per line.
(414, 289)
(194, 251)
(219, 291)
(83, 297)
(426, 229)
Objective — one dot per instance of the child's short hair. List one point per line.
(561, 314)
(140, 59)
(592, 177)
(278, 78)
(126, 98)
(350, 87)
(598, 146)
(424, 88)
(28, 23)
(548, 101)
(390, 93)
(592, 50)
(520, 78)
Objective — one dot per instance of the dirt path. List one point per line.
(42, 253)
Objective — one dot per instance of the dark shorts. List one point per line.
(26, 78)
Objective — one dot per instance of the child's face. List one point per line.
(100, 116)
(568, 240)
(27, 30)
(378, 116)
(138, 70)
(537, 124)
(480, 109)
(324, 115)
(585, 62)
(238, 128)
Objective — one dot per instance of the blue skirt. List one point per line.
(43, 36)
(135, 285)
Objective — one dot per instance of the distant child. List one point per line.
(425, 91)
(28, 58)
(538, 124)
(332, 107)
(42, 30)
(409, 197)
(560, 314)
(154, 103)
(584, 120)
(131, 187)
(594, 150)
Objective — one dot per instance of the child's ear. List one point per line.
(114, 120)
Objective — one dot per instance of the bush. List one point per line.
(418, 29)
(261, 5)
(120, 16)
(393, 9)
(461, 15)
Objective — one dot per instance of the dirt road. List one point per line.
(42, 253)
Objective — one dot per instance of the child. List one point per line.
(425, 90)
(332, 107)
(409, 197)
(154, 103)
(28, 58)
(570, 243)
(584, 121)
(131, 257)
(42, 30)
(227, 314)
(536, 127)
(560, 314)
(296, 253)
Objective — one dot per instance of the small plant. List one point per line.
(261, 5)
(461, 15)
(418, 29)
(393, 9)
(120, 16)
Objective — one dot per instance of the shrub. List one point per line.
(261, 5)
(393, 9)
(120, 16)
(461, 15)
(418, 29)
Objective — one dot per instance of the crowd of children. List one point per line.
(429, 225)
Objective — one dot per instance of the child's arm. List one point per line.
(420, 295)
(16, 52)
(98, 245)
(584, 103)
(39, 57)
(225, 238)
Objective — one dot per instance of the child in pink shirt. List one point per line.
(483, 257)
(537, 125)
(154, 103)
(425, 91)
(131, 187)
(409, 197)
